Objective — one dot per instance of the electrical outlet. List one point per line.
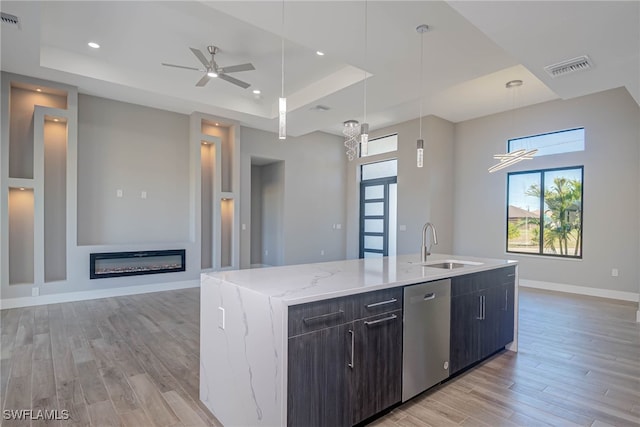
(143, 194)
(266, 252)
(244, 227)
(614, 272)
(338, 226)
(403, 228)
(35, 291)
(322, 252)
(119, 192)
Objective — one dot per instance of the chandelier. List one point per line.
(507, 159)
(351, 132)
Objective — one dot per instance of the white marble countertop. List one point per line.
(296, 284)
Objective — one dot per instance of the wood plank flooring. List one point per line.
(578, 365)
(133, 361)
(125, 361)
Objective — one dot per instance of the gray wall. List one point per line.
(424, 194)
(272, 189)
(55, 201)
(133, 148)
(611, 160)
(314, 194)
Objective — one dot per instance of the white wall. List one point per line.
(424, 194)
(135, 149)
(314, 194)
(611, 181)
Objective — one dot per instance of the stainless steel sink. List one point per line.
(446, 265)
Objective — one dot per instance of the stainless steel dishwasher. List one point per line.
(425, 344)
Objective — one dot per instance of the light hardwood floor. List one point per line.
(578, 364)
(133, 361)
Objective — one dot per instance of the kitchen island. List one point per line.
(249, 317)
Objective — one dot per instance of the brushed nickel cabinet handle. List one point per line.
(484, 307)
(479, 317)
(376, 304)
(375, 322)
(350, 364)
(322, 317)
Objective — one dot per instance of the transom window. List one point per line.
(544, 212)
(564, 141)
(385, 144)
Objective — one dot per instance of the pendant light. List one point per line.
(421, 29)
(282, 101)
(511, 158)
(364, 127)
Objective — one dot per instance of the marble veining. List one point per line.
(245, 322)
(296, 284)
(243, 348)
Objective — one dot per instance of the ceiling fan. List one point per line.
(212, 70)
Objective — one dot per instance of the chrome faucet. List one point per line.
(426, 251)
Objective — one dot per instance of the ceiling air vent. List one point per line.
(581, 63)
(320, 107)
(10, 20)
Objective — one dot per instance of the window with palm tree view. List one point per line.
(544, 212)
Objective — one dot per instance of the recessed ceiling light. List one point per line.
(21, 188)
(38, 90)
(256, 91)
(94, 45)
(319, 53)
(56, 120)
(217, 124)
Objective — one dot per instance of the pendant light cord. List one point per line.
(365, 62)
(421, 79)
(282, 49)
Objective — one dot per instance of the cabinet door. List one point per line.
(318, 378)
(506, 315)
(377, 379)
(466, 311)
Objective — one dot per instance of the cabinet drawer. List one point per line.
(376, 302)
(506, 275)
(318, 315)
(469, 283)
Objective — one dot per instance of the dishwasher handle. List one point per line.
(423, 297)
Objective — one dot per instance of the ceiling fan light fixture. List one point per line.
(93, 45)
(212, 73)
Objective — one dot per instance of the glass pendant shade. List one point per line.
(420, 153)
(364, 139)
(282, 122)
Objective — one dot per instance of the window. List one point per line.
(381, 145)
(564, 141)
(378, 200)
(544, 212)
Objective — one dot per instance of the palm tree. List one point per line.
(562, 221)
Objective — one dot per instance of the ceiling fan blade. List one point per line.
(204, 80)
(233, 80)
(236, 68)
(198, 53)
(181, 66)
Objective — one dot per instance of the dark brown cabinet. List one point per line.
(345, 364)
(377, 364)
(318, 395)
(345, 354)
(482, 315)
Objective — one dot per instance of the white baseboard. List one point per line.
(581, 290)
(99, 293)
